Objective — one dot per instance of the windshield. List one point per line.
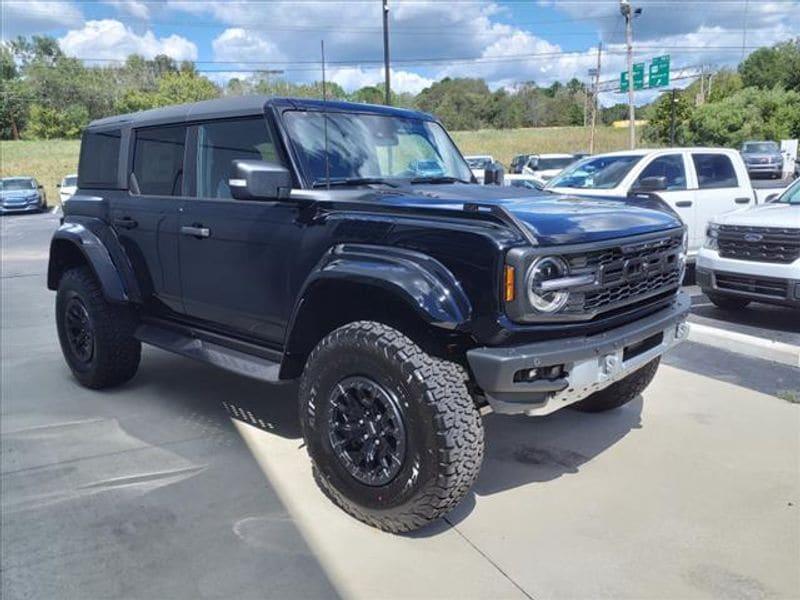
(760, 147)
(7, 185)
(374, 147)
(70, 182)
(546, 164)
(480, 162)
(790, 196)
(601, 172)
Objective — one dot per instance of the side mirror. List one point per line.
(493, 174)
(40, 187)
(771, 198)
(58, 185)
(652, 184)
(259, 180)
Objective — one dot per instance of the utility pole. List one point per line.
(672, 119)
(387, 84)
(629, 12)
(595, 95)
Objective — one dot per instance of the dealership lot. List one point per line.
(153, 490)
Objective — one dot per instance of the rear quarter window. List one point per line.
(714, 171)
(99, 160)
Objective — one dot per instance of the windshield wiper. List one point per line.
(320, 183)
(440, 179)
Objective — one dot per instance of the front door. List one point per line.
(236, 255)
(147, 222)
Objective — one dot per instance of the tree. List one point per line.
(768, 67)
(659, 125)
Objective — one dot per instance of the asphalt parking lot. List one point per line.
(190, 482)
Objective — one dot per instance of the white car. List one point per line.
(754, 255)
(698, 183)
(67, 187)
(477, 164)
(546, 166)
(527, 182)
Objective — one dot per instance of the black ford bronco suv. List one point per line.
(349, 246)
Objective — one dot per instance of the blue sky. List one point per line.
(506, 42)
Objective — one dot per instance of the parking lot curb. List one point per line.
(749, 345)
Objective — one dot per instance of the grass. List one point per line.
(50, 160)
(46, 160)
(503, 144)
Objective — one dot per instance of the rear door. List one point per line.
(719, 188)
(147, 222)
(236, 255)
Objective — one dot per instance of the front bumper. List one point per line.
(20, 208)
(769, 168)
(773, 283)
(589, 363)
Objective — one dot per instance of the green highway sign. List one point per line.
(659, 72)
(638, 78)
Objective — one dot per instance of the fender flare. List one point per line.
(96, 255)
(420, 281)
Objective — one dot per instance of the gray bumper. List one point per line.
(590, 363)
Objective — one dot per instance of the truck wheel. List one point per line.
(728, 302)
(393, 434)
(621, 392)
(96, 336)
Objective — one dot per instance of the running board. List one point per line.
(209, 352)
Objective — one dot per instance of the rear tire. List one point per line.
(366, 380)
(621, 392)
(96, 336)
(728, 302)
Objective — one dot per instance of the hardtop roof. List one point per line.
(242, 106)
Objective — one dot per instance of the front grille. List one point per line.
(627, 274)
(762, 244)
(764, 286)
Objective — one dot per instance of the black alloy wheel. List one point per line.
(79, 330)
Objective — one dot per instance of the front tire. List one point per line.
(394, 437)
(96, 336)
(621, 392)
(728, 302)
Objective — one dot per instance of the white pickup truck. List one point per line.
(698, 183)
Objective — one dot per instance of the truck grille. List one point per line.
(762, 244)
(765, 286)
(627, 274)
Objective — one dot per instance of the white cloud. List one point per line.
(133, 8)
(110, 39)
(36, 16)
(353, 78)
(237, 44)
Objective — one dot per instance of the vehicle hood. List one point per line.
(760, 155)
(764, 215)
(68, 190)
(551, 218)
(17, 194)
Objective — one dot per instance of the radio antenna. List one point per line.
(325, 117)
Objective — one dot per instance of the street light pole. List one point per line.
(387, 84)
(595, 95)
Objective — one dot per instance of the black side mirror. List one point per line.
(771, 198)
(652, 184)
(39, 187)
(259, 180)
(493, 174)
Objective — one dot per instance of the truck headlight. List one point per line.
(541, 270)
(712, 237)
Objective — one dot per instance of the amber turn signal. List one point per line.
(509, 284)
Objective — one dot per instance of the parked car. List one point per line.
(546, 166)
(235, 232)
(754, 255)
(523, 181)
(698, 183)
(67, 187)
(478, 164)
(21, 194)
(763, 158)
(518, 162)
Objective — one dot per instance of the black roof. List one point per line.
(241, 106)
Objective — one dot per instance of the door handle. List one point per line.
(197, 231)
(742, 200)
(683, 204)
(125, 222)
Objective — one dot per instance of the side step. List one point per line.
(209, 352)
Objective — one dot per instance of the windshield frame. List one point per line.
(792, 191)
(307, 179)
(557, 180)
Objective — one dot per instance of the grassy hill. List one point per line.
(50, 160)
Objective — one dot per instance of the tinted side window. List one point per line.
(221, 142)
(99, 159)
(670, 167)
(714, 171)
(158, 160)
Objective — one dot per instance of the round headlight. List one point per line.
(544, 269)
